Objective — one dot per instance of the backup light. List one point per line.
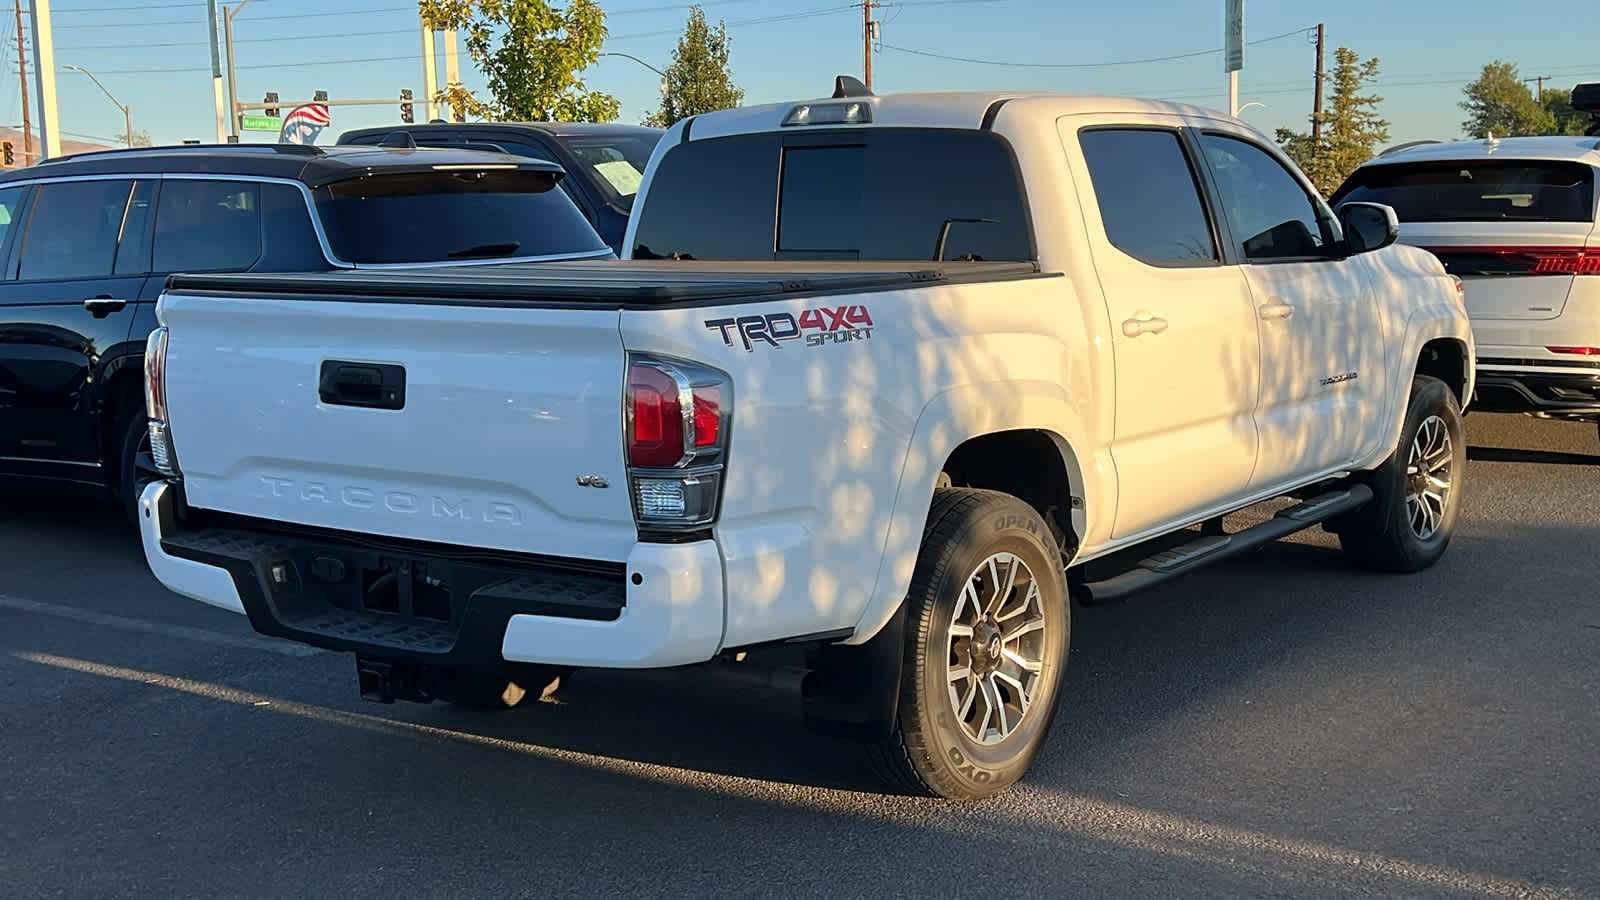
(677, 437)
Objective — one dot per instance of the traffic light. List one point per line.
(272, 104)
(10, 155)
(406, 115)
(320, 96)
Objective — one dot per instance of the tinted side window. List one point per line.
(133, 253)
(1148, 195)
(73, 230)
(288, 237)
(1270, 212)
(207, 226)
(10, 200)
(877, 194)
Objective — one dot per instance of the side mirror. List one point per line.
(1368, 226)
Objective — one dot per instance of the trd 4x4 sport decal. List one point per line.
(822, 325)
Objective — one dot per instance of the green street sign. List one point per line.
(260, 123)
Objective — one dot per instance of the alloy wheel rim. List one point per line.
(1428, 477)
(995, 648)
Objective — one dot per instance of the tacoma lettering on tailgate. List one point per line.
(351, 496)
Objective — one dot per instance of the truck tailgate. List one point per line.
(506, 433)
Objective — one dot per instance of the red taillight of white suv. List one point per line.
(677, 416)
(155, 402)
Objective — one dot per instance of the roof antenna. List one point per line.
(849, 86)
(399, 139)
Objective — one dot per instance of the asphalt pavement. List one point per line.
(1279, 725)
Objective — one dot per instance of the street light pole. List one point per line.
(127, 113)
(637, 60)
(233, 84)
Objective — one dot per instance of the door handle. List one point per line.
(1276, 311)
(104, 305)
(1135, 327)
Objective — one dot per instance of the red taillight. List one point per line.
(707, 416)
(1483, 261)
(677, 415)
(1566, 262)
(657, 438)
(1577, 351)
(155, 374)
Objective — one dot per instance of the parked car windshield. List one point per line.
(461, 215)
(617, 160)
(1477, 190)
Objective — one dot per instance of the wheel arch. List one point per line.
(121, 399)
(973, 429)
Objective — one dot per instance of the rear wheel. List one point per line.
(136, 470)
(987, 634)
(1417, 490)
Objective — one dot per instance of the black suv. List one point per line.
(87, 243)
(604, 162)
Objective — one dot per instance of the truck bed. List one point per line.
(601, 283)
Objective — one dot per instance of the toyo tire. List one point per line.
(987, 630)
(1416, 491)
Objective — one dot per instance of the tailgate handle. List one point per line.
(370, 385)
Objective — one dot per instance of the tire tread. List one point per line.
(893, 759)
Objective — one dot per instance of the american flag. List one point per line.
(304, 123)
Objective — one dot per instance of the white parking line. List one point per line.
(201, 635)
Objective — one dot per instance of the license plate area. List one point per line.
(407, 588)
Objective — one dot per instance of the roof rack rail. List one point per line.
(1408, 145)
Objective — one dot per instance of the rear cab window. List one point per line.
(1477, 190)
(442, 216)
(879, 194)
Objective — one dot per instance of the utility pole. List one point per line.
(22, 74)
(1540, 80)
(216, 72)
(430, 72)
(1316, 100)
(233, 83)
(452, 72)
(866, 41)
(44, 74)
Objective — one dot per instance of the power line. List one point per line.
(106, 9)
(1090, 65)
(265, 40)
(764, 20)
(298, 17)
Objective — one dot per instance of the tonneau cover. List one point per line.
(598, 282)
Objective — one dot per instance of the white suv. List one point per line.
(1515, 219)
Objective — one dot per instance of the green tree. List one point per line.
(1500, 103)
(1350, 128)
(698, 80)
(1558, 103)
(530, 52)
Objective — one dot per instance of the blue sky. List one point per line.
(153, 54)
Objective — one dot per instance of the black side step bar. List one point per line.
(1153, 570)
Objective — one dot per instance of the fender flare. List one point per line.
(948, 420)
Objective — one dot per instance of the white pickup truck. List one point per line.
(889, 378)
